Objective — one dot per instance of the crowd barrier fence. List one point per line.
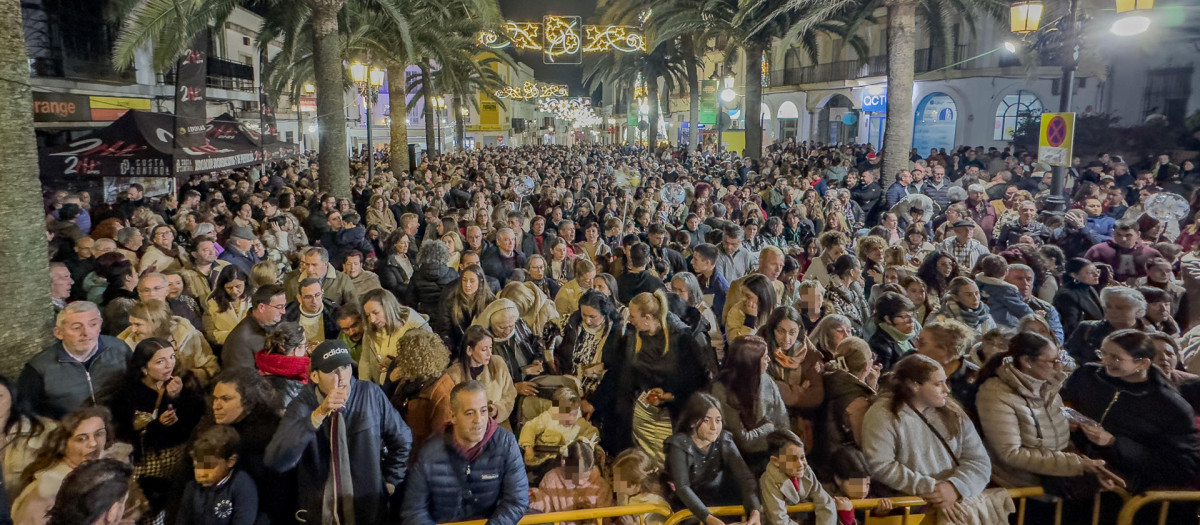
(1162, 497)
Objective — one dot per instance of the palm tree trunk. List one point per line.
(331, 113)
(430, 117)
(693, 80)
(665, 104)
(753, 111)
(652, 101)
(399, 130)
(460, 124)
(24, 272)
(901, 40)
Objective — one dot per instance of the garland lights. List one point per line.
(532, 90)
(561, 38)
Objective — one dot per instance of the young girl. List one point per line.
(637, 482)
(852, 480)
(577, 484)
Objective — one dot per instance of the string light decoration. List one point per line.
(613, 37)
(561, 39)
(532, 90)
(766, 71)
(577, 111)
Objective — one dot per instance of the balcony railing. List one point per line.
(926, 60)
(224, 74)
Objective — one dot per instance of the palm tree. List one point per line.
(620, 71)
(464, 75)
(24, 271)
(170, 25)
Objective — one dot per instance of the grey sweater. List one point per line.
(768, 407)
(904, 454)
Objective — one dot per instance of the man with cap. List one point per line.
(348, 445)
(242, 250)
(963, 246)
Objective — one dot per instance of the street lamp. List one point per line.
(439, 104)
(728, 95)
(1025, 17)
(369, 80)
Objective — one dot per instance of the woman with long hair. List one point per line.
(844, 295)
(751, 404)
(937, 270)
(919, 442)
(154, 319)
(227, 305)
(387, 322)
(705, 466)
(829, 333)
(119, 296)
(418, 386)
(378, 214)
(796, 367)
(606, 284)
(156, 411)
(478, 363)
(23, 434)
(560, 266)
(431, 277)
(81, 436)
(1144, 429)
(462, 302)
(747, 313)
(284, 361)
(925, 304)
(395, 269)
(584, 342)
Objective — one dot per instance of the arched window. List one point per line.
(1012, 109)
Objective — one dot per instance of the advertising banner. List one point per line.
(708, 102)
(190, 103)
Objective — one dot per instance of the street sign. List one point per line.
(1056, 138)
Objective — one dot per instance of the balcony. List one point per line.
(68, 39)
(926, 60)
(224, 74)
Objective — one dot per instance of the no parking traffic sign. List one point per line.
(1056, 138)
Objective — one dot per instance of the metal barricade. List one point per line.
(906, 503)
(1163, 497)
(596, 515)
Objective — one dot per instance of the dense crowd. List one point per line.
(516, 330)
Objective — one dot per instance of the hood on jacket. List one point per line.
(1025, 385)
(440, 274)
(993, 281)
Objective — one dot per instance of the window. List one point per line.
(1012, 109)
(415, 113)
(1168, 90)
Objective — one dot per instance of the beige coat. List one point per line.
(155, 258)
(496, 381)
(217, 325)
(1014, 409)
(20, 448)
(192, 351)
(197, 285)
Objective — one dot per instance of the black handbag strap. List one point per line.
(941, 439)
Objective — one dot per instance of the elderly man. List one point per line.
(500, 260)
(348, 445)
(963, 246)
(475, 471)
(1124, 308)
(770, 264)
(980, 210)
(250, 334)
(1022, 277)
(734, 259)
(314, 262)
(241, 250)
(156, 286)
(83, 368)
(315, 314)
(1026, 223)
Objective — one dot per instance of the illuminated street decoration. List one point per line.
(532, 90)
(577, 111)
(561, 39)
(613, 37)
(765, 69)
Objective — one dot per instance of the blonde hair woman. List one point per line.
(454, 245)
(387, 322)
(535, 308)
(154, 319)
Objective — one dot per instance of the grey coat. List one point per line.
(768, 406)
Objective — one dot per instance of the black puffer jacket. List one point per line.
(1156, 441)
(427, 285)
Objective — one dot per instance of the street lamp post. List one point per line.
(727, 95)
(1025, 16)
(369, 81)
(309, 89)
(439, 103)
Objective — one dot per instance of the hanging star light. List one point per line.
(561, 39)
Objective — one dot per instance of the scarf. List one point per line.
(338, 498)
(903, 340)
(473, 453)
(285, 366)
(972, 318)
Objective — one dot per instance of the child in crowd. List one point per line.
(1003, 298)
(789, 481)
(577, 484)
(852, 481)
(220, 494)
(543, 437)
(636, 481)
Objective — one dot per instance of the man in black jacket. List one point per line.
(500, 260)
(636, 278)
(868, 195)
(348, 445)
(313, 312)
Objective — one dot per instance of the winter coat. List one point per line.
(1102, 226)
(496, 380)
(234, 502)
(379, 445)
(329, 311)
(244, 340)
(734, 265)
(1089, 335)
(341, 243)
(704, 478)
(191, 350)
(20, 448)
(500, 267)
(904, 454)
(54, 384)
(1024, 428)
(1156, 442)
(1127, 263)
(337, 287)
(245, 261)
(1003, 299)
(441, 477)
(218, 324)
(427, 410)
(428, 284)
(779, 492)
(841, 389)
(394, 278)
(1077, 302)
(380, 345)
(135, 416)
(886, 349)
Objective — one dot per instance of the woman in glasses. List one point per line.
(1143, 428)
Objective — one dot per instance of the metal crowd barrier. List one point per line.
(597, 515)
(1163, 497)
